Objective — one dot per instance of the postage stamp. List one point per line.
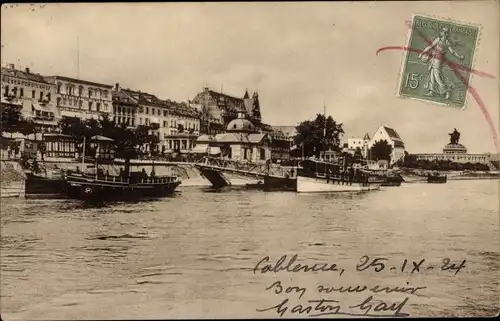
(438, 61)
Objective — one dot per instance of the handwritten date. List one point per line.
(379, 264)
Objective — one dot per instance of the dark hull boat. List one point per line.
(85, 186)
(37, 186)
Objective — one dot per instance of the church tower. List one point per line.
(247, 101)
(256, 108)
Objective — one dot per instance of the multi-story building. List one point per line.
(81, 98)
(362, 143)
(177, 125)
(32, 94)
(125, 107)
(218, 109)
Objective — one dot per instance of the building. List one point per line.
(243, 142)
(456, 153)
(124, 108)
(218, 109)
(32, 95)
(392, 138)
(362, 143)
(81, 98)
(177, 125)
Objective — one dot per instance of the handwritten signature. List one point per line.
(322, 307)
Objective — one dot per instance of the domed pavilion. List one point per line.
(243, 141)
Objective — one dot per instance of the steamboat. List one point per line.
(314, 176)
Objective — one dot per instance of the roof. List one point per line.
(80, 81)
(122, 98)
(366, 137)
(392, 133)
(254, 138)
(246, 96)
(24, 75)
(240, 125)
(227, 103)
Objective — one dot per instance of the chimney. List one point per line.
(117, 86)
(27, 70)
(12, 66)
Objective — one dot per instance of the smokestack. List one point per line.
(117, 86)
(27, 70)
(12, 66)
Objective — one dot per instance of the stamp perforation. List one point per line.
(406, 54)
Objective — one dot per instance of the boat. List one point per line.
(44, 186)
(436, 178)
(126, 187)
(316, 176)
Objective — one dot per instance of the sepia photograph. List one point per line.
(209, 160)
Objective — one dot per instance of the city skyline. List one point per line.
(297, 63)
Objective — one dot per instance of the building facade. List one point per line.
(177, 125)
(81, 98)
(392, 137)
(32, 95)
(362, 143)
(456, 153)
(218, 109)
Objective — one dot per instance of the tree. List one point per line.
(358, 154)
(11, 119)
(313, 138)
(381, 150)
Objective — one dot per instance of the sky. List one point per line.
(298, 56)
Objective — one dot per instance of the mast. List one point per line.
(77, 57)
(83, 155)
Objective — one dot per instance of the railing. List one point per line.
(126, 180)
(247, 167)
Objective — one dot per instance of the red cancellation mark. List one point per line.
(457, 69)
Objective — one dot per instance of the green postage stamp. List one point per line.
(438, 61)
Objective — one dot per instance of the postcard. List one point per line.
(249, 160)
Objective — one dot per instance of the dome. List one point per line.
(240, 124)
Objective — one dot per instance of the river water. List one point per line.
(193, 255)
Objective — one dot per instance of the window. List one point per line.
(64, 101)
(6, 93)
(90, 92)
(105, 107)
(105, 94)
(80, 90)
(159, 112)
(21, 92)
(170, 144)
(164, 123)
(33, 94)
(90, 105)
(49, 96)
(59, 85)
(132, 122)
(71, 90)
(147, 110)
(262, 154)
(98, 106)
(164, 113)
(119, 110)
(58, 101)
(80, 104)
(140, 120)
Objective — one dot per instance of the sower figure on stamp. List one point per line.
(438, 83)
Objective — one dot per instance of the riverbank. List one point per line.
(417, 175)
